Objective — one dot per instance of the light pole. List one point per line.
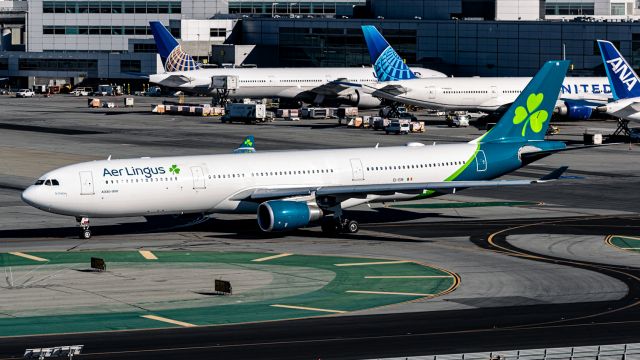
(273, 8)
(198, 45)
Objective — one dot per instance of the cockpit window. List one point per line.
(48, 182)
(39, 182)
(55, 182)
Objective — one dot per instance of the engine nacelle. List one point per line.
(361, 100)
(282, 215)
(575, 111)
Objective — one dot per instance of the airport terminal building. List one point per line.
(69, 41)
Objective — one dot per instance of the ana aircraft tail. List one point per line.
(528, 117)
(623, 79)
(171, 53)
(386, 62)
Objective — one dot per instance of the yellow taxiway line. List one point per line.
(148, 255)
(308, 308)
(170, 321)
(386, 293)
(271, 257)
(410, 277)
(375, 263)
(27, 256)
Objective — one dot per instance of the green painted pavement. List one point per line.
(625, 243)
(466, 205)
(333, 296)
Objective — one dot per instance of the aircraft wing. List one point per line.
(383, 91)
(333, 88)
(354, 191)
(629, 110)
(175, 80)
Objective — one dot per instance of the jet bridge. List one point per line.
(223, 85)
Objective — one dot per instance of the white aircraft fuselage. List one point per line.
(628, 109)
(216, 183)
(288, 83)
(482, 94)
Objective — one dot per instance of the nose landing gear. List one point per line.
(85, 232)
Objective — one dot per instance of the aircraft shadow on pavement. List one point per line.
(234, 228)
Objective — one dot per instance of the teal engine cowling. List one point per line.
(282, 215)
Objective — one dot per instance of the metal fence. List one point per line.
(602, 352)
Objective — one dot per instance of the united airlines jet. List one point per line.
(293, 189)
(624, 84)
(579, 95)
(311, 85)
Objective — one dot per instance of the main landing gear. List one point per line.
(332, 226)
(85, 232)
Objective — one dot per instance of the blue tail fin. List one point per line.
(621, 75)
(247, 145)
(386, 62)
(528, 117)
(171, 53)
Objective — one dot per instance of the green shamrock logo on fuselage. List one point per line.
(174, 169)
(535, 119)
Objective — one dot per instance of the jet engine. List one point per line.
(361, 100)
(282, 215)
(574, 111)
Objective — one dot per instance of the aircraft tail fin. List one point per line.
(624, 81)
(247, 145)
(171, 53)
(387, 64)
(528, 117)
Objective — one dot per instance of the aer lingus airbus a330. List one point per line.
(293, 189)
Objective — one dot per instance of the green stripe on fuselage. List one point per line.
(432, 193)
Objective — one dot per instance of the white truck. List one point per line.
(247, 113)
(104, 90)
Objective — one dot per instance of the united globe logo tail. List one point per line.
(170, 51)
(387, 64)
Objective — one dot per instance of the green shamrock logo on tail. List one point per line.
(174, 169)
(535, 119)
(248, 142)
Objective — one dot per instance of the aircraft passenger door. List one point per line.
(431, 92)
(86, 183)
(481, 161)
(356, 170)
(198, 177)
(494, 92)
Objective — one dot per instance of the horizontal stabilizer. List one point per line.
(555, 174)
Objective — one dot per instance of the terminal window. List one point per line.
(4, 64)
(96, 30)
(111, 7)
(618, 9)
(57, 64)
(145, 48)
(218, 32)
(132, 66)
(569, 8)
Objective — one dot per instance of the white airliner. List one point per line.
(579, 95)
(624, 83)
(292, 189)
(311, 85)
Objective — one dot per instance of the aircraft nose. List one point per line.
(29, 196)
